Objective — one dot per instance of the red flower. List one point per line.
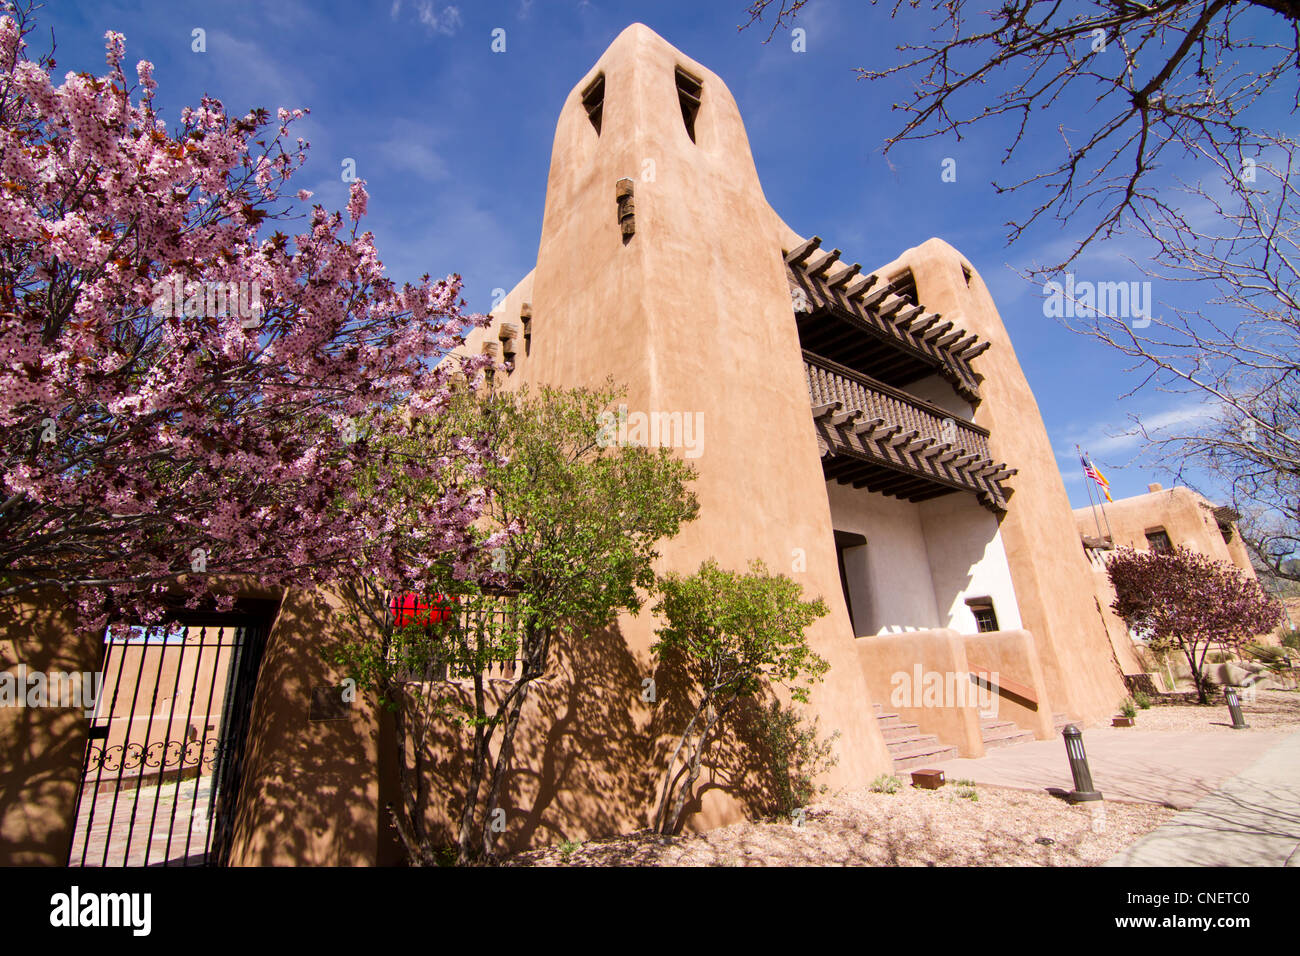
(410, 607)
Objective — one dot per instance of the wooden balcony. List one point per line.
(876, 437)
(875, 325)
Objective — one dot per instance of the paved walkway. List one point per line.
(1239, 792)
(1253, 820)
(1172, 768)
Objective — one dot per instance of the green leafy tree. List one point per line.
(736, 635)
(571, 525)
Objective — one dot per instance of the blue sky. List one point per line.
(454, 141)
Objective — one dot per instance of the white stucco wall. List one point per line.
(967, 560)
(937, 390)
(922, 561)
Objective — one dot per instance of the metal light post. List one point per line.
(1234, 707)
(1083, 791)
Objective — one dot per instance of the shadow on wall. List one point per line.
(42, 749)
(590, 754)
(310, 789)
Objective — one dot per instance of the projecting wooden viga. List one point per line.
(872, 433)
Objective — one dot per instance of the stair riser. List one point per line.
(920, 760)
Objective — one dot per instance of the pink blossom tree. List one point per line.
(1183, 600)
(186, 396)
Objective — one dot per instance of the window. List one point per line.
(593, 101)
(986, 619)
(1158, 540)
(689, 90)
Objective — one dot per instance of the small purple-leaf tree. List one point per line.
(1183, 600)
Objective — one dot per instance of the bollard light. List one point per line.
(1234, 707)
(1083, 790)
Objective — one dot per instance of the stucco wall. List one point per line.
(41, 748)
(1051, 576)
(1186, 516)
(967, 560)
(897, 564)
(924, 559)
(311, 788)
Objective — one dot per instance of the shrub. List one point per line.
(1126, 707)
(738, 635)
(1142, 700)
(799, 757)
(886, 783)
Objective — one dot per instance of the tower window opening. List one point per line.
(688, 95)
(593, 101)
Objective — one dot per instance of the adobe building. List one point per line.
(1161, 519)
(868, 431)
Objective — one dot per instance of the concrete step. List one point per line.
(888, 720)
(1007, 738)
(911, 742)
(1059, 721)
(990, 726)
(922, 755)
(899, 731)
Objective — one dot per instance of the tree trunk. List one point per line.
(536, 654)
(661, 814)
(465, 838)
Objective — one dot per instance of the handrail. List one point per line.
(812, 358)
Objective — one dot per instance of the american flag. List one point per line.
(1091, 471)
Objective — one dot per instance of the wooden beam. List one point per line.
(824, 263)
(802, 251)
(977, 350)
(964, 344)
(919, 327)
(825, 408)
(937, 331)
(907, 315)
(862, 284)
(843, 277)
(890, 307)
(872, 299)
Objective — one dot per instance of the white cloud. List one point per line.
(410, 149)
(447, 22)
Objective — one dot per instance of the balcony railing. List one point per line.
(875, 436)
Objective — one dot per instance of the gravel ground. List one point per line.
(1270, 710)
(945, 827)
(912, 827)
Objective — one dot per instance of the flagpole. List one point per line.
(1088, 481)
(1102, 504)
(1107, 518)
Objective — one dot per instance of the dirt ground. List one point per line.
(953, 826)
(1266, 710)
(957, 825)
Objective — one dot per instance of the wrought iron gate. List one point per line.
(166, 750)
